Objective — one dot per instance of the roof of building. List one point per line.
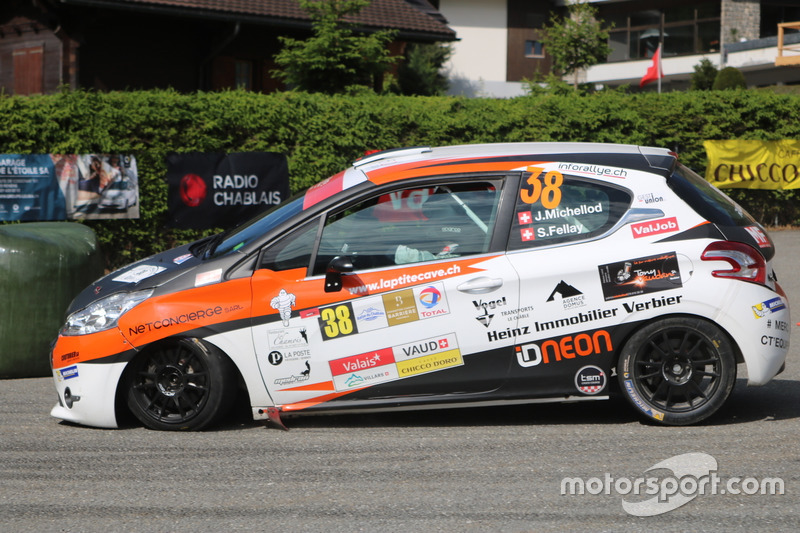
(407, 16)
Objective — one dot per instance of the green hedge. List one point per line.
(321, 134)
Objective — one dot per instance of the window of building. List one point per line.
(683, 30)
(534, 49)
(243, 75)
(28, 70)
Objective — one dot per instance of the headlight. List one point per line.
(103, 314)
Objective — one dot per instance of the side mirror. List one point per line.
(333, 274)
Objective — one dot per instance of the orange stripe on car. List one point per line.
(323, 386)
(81, 348)
(446, 166)
(171, 314)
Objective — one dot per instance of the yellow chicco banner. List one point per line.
(753, 164)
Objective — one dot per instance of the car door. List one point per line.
(405, 300)
(561, 235)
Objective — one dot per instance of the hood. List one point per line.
(150, 272)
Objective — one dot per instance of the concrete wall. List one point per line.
(478, 65)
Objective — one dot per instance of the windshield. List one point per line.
(233, 240)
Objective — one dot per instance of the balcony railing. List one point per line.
(787, 54)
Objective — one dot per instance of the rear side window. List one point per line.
(708, 201)
(564, 209)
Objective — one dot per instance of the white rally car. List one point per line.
(442, 277)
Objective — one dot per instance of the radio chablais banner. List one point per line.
(208, 190)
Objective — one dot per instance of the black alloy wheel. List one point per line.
(678, 370)
(184, 384)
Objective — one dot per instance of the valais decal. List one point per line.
(389, 364)
(654, 227)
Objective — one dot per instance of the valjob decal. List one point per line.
(640, 276)
(654, 227)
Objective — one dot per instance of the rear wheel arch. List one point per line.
(677, 369)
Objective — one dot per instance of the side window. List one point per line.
(553, 208)
(412, 225)
(293, 250)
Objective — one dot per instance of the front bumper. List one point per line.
(87, 393)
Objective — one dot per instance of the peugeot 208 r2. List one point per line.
(442, 277)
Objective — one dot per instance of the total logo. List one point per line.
(432, 302)
(429, 297)
(654, 227)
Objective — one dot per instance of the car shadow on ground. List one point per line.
(775, 401)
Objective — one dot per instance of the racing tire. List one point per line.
(677, 371)
(181, 385)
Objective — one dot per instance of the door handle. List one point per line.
(480, 285)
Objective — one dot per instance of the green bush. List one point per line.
(321, 135)
(729, 78)
(704, 75)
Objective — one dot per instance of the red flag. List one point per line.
(654, 70)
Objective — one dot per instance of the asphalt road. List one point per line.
(492, 469)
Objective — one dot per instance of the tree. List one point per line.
(704, 74)
(729, 78)
(335, 57)
(421, 72)
(576, 41)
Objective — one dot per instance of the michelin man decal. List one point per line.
(284, 302)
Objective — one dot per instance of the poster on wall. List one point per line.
(42, 187)
(98, 186)
(215, 190)
(28, 188)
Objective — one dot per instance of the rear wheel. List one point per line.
(182, 385)
(678, 370)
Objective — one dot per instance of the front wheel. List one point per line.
(678, 370)
(185, 384)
